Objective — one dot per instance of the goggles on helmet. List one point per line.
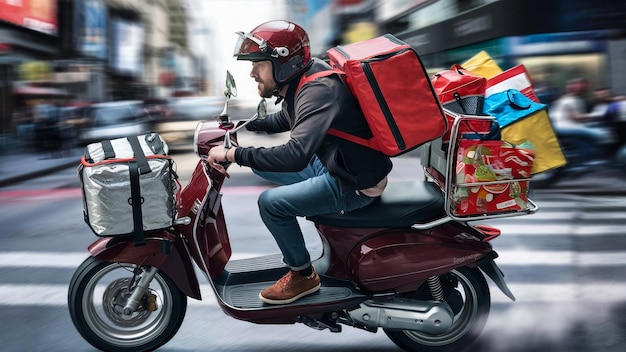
(249, 47)
(253, 48)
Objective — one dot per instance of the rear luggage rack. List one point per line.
(439, 160)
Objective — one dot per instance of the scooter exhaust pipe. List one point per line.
(431, 317)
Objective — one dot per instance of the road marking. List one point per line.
(27, 194)
(56, 295)
(506, 257)
(63, 259)
(569, 258)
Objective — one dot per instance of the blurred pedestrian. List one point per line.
(48, 139)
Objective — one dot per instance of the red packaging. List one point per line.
(479, 164)
(460, 90)
(514, 78)
(466, 126)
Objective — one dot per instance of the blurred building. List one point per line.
(555, 39)
(86, 51)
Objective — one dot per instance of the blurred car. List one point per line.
(178, 124)
(115, 119)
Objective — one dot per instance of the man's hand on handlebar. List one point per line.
(219, 157)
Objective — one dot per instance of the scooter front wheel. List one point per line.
(467, 292)
(97, 295)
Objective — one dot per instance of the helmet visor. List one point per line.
(249, 47)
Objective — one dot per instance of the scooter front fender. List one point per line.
(163, 252)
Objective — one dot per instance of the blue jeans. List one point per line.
(312, 191)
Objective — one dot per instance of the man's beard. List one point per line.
(266, 90)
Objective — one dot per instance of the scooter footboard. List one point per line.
(160, 252)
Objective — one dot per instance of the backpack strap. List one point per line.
(370, 143)
(304, 78)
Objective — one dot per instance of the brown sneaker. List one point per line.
(291, 287)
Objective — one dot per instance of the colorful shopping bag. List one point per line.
(514, 78)
(479, 165)
(460, 90)
(483, 65)
(523, 120)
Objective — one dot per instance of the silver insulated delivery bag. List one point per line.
(129, 186)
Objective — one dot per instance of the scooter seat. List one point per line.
(402, 204)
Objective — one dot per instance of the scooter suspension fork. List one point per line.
(434, 284)
(140, 290)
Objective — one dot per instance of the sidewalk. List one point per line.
(19, 164)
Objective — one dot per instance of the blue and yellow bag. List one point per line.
(523, 120)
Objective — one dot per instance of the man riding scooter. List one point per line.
(318, 173)
(584, 144)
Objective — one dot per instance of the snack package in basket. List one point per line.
(478, 164)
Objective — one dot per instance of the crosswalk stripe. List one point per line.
(63, 260)
(56, 295)
(569, 258)
(506, 257)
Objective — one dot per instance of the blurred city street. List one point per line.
(552, 74)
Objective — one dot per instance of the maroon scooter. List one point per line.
(401, 264)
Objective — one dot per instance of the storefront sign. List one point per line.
(35, 71)
(127, 47)
(38, 15)
(90, 17)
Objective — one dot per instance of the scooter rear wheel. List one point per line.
(472, 302)
(97, 294)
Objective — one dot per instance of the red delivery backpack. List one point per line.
(460, 90)
(389, 82)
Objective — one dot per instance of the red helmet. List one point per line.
(284, 43)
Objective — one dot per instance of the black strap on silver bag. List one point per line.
(137, 167)
(107, 148)
(142, 162)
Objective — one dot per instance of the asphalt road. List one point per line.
(565, 265)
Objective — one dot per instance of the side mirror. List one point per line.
(231, 91)
(231, 87)
(261, 109)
